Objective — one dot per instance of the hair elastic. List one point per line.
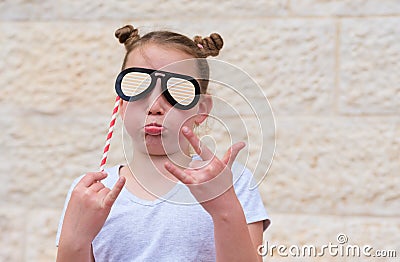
(200, 46)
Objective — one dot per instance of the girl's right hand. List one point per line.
(88, 208)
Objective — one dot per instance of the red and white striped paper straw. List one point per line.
(110, 133)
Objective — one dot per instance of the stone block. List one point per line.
(369, 65)
(12, 228)
(293, 61)
(50, 151)
(51, 67)
(342, 166)
(142, 10)
(41, 235)
(345, 7)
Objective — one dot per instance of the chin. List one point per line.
(161, 151)
(156, 152)
(154, 146)
(159, 145)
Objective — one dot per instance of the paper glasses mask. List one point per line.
(181, 91)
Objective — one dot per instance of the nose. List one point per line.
(157, 102)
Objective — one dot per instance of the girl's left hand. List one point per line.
(209, 180)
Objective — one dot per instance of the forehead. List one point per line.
(159, 57)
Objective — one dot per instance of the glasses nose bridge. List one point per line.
(157, 93)
(159, 76)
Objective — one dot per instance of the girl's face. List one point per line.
(152, 122)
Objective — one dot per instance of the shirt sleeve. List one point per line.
(60, 223)
(249, 197)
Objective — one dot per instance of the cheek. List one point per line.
(133, 117)
(175, 119)
(178, 118)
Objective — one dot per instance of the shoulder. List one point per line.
(242, 177)
(249, 195)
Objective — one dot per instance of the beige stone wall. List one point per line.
(330, 70)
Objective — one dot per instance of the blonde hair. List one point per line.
(199, 47)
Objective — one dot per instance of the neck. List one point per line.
(149, 170)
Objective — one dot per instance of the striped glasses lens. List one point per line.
(181, 90)
(135, 83)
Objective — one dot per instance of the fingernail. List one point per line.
(185, 129)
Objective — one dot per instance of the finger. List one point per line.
(91, 178)
(179, 174)
(111, 196)
(202, 150)
(232, 153)
(96, 187)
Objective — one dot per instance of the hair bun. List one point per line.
(210, 45)
(127, 35)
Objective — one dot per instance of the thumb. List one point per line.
(232, 153)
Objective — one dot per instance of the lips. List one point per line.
(153, 129)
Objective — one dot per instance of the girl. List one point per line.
(143, 218)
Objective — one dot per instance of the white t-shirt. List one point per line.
(165, 229)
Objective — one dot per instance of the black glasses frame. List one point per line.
(164, 76)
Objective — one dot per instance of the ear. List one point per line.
(205, 106)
